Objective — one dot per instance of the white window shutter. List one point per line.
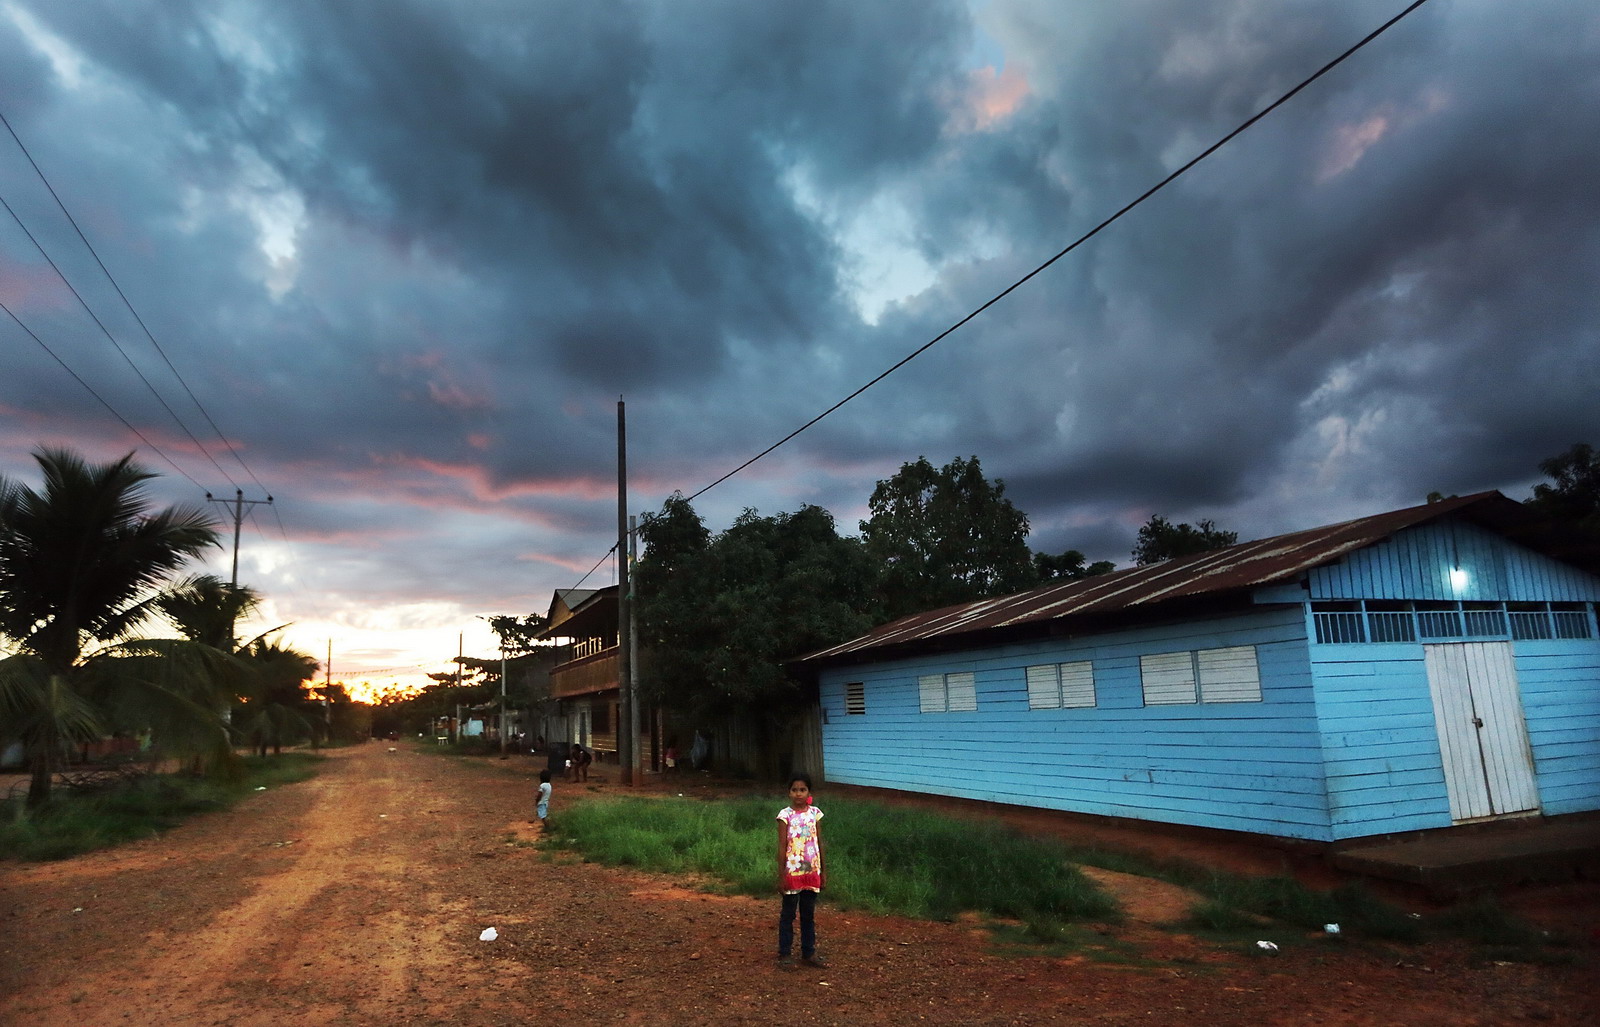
(1077, 684)
(1229, 675)
(931, 687)
(962, 692)
(1044, 688)
(1168, 678)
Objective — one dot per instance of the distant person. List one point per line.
(579, 762)
(800, 873)
(671, 757)
(541, 807)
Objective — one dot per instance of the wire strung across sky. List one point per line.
(1208, 151)
(140, 320)
(1085, 237)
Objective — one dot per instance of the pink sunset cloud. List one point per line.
(991, 97)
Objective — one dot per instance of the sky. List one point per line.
(395, 263)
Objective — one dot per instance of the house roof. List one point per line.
(575, 610)
(1235, 568)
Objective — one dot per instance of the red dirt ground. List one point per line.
(358, 898)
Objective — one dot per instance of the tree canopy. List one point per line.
(1067, 566)
(1572, 497)
(1159, 539)
(719, 615)
(945, 535)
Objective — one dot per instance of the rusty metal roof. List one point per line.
(1242, 566)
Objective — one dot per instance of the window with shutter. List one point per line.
(1168, 678)
(1229, 675)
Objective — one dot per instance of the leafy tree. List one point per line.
(719, 616)
(1573, 498)
(82, 562)
(1067, 566)
(1574, 494)
(1160, 539)
(519, 635)
(945, 536)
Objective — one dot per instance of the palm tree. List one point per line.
(82, 563)
(275, 711)
(205, 609)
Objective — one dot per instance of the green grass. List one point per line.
(76, 822)
(880, 859)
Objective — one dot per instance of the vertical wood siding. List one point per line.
(1560, 681)
(1241, 766)
(1416, 564)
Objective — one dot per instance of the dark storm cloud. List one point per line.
(411, 253)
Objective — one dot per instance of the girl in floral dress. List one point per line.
(800, 872)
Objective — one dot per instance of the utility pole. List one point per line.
(633, 652)
(626, 744)
(239, 503)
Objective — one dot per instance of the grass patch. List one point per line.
(881, 859)
(76, 822)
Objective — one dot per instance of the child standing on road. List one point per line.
(542, 808)
(800, 872)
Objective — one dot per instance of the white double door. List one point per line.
(1483, 736)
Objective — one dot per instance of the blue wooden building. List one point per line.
(1417, 669)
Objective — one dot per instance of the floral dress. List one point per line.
(802, 859)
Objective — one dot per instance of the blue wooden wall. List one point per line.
(1342, 745)
(1252, 766)
(1416, 564)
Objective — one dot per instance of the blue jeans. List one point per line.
(805, 903)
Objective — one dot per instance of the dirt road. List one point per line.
(358, 898)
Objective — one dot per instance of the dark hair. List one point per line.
(544, 777)
(800, 775)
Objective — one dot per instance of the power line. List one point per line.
(127, 303)
(1208, 151)
(112, 339)
(126, 423)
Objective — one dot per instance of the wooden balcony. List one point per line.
(586, 675)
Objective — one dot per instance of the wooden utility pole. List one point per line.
(626, 743)
(239, 503)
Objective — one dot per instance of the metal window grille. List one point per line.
(1530, 624)
(1571, 623)
(1335, 628)
(1392, 626)
(855, 697)
(1439, 623)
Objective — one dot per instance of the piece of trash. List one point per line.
(680, 795)
(489, 934)
(383, 816)
(694, 955)
(79, 909)
(1414, 916)
(261, 788)
(825, 984)
(1266, 946)
(393, 749)
(1331, 928)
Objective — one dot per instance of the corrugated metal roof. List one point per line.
(1243, 566)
